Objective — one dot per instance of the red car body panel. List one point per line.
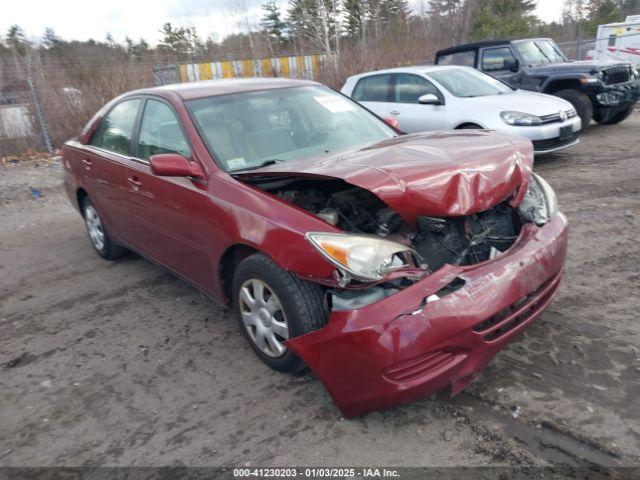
(396, 350)
(393, 350)
(441, 174)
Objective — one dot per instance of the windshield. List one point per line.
(246, 130)
(539, 52)
(463, 82)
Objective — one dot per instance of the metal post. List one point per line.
(36, 103)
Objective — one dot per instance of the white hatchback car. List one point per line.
(450, 97)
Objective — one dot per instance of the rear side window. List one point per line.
(468, 59)
(116, 130)
(409, 88)
(376, 88)
(160, 132)
(494, 59)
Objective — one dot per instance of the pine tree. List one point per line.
(355, 11)
(503, 19)
(601, 12)
(50, 39)
(272, 23)
(17, 40)
(175, 40)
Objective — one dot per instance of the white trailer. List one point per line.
(618, 41)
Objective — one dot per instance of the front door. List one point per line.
(412, 115)
(168, 211)
(497, 62)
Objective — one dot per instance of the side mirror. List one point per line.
(429, 99)
(511, 65)
(392, 121)
(174, 165)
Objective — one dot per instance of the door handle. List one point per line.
(87, 163)
(394, 112)
(134, 181)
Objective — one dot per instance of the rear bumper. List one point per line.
(399, 349)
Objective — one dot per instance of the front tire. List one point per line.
(618, 117)
(272, 306)
(580, 102)
(98, 235)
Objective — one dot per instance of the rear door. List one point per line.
(105, 166)
(375, 92)
(495, 61)
(168, 212)
(411, 114)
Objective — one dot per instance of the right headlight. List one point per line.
(363, 257)
(540, 202)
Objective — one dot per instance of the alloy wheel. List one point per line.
(263, 317)
(94, 227)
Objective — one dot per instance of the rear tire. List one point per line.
(580, 102)
(272, 306)
(98, 235)
(618, 117)
(469, 126)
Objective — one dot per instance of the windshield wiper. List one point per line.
(266, 163)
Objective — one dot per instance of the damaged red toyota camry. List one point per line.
(391, 265)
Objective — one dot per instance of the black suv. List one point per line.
(603, 90)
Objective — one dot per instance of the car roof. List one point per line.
(476, 45)
(208, 88)
(417, 69)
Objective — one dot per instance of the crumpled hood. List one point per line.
(435, 173)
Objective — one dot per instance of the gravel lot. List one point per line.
(123, 364)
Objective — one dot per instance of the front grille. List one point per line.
(551, 143)
(419, 366)
(509, 318)
(555, 117)
(615, 75)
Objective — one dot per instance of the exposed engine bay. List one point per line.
(462, 240)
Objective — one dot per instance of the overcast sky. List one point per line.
(83, 19)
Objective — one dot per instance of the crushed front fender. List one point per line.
(404, 347)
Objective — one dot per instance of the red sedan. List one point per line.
(391, 265)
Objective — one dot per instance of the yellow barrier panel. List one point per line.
(205, 71)
(284, 66)
(183, 73)
(298, 66)
(267, 70)
(227, 70)
(300, 70)
(247, 68)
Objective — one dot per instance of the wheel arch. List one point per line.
(81, 194)
(555, 85)
(228, 264)
(464, 125)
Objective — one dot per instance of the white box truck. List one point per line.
(618, 41)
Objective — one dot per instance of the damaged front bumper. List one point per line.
(618, 95)
(404, 346)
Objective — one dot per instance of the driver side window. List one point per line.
(160, 132)
(409, 88)
(494, 59)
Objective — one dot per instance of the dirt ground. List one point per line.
(123, 364)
